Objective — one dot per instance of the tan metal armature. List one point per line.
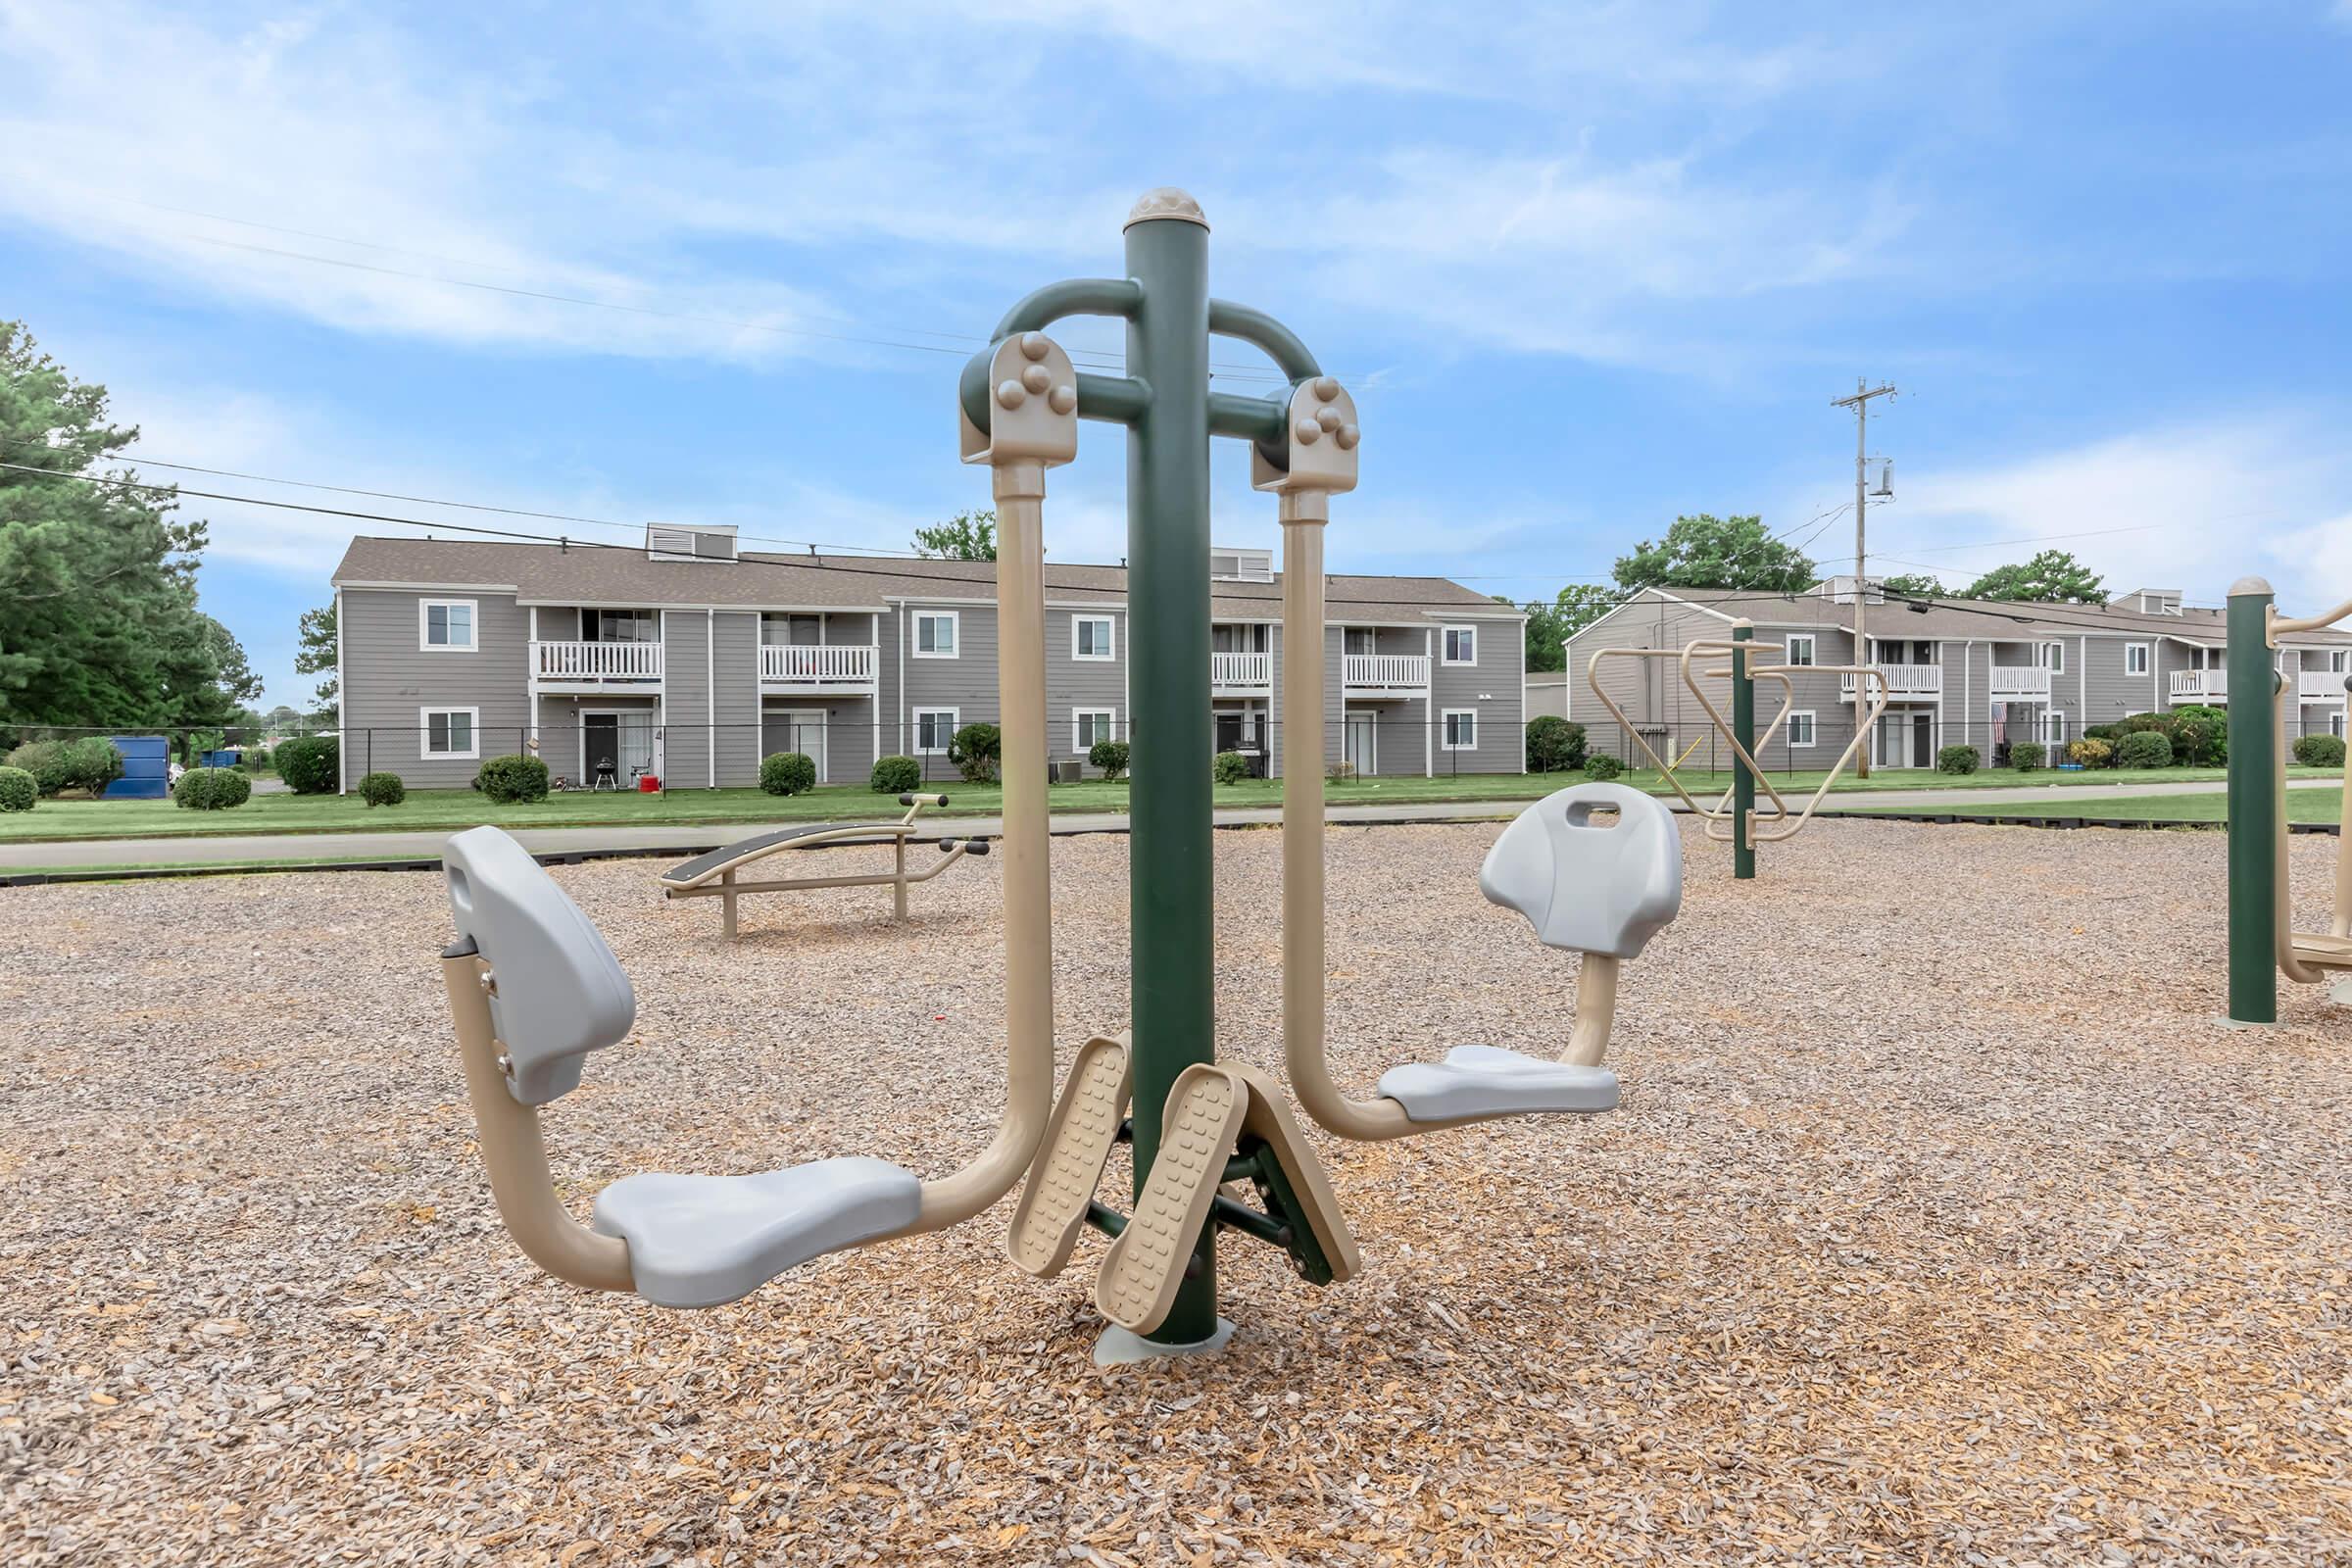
(508, 1130)
(716, 875)
(2307, 956)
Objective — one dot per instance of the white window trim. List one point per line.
(424, 623)
(2057, 659)
(1446, 636)
(2146, 656)
(1078, 742)
(1111, 640)
(1445, 717)
(424, 735)
(1811, 650)
(1812, 729)
(916, 737)
(954, 619)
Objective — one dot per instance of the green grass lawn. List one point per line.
(2302, 806)
(446, 810)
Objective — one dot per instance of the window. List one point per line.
(1461, 729)
(445, 625)
(2053, 724)
(449, 732)
(1091, 724)
(2335, 723)
(2051, 657)
(1800, 652)
(1090, 637)
(1461, 644)
(1800, 727)
(2336, 660)
(2136, 659)
(934, 727)
(935, 633)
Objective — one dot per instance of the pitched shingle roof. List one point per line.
(1958, 619)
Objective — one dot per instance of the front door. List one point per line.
(1922, 740)
(798, 729)
(616, 748)
(1229, 732)
(1360, 743)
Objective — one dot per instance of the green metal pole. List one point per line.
(2253, 807)
(1744, 729)
(1174, 985)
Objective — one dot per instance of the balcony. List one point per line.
(2200, 686)
(2021, 683)
(1240, 673)
(1368, 673)
(2320, 686)
(595, 666)
(1905, 683)
(803, 667)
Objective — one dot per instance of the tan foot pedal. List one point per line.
(1145, 1267)
(1305, 1190)
(1062, 1178)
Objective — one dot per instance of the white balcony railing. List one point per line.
(2021, 683)
(1241, 670)
(1385, 672)
(1904, 681)
(2200, 685)
(2320, 686)
(620, 663)
(801, 665)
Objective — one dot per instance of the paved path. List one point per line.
(695, 837)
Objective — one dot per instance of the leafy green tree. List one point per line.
(1710, 552)
(967, 536)
(2052, 577)
(317, 654)
(1571, 611)
(98, 618)
(1916, 585)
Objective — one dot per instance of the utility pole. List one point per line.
(1860, 404)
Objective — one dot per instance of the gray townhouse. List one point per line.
(689, 659)
(1958, 671)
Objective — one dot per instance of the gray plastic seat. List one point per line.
(1584, 888)
(704, 1241)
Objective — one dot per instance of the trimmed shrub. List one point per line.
(1604, 766)
(91, 763)
(788, 773)
(2110, 733)
(974, 749)
(1553, 744)
(1110, 756)
(2087, 753)
(2318, 751)
(212, 789)
(895, 775)
(509, 780)
(382, 789)
(17, 790)
(1230, 768)
(2027, 756)
(45, 760)
(2200, 735)
(1958, 759)
(2145, 748)
(1340, 771)
(310, 764)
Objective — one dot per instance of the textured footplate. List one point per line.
(1062, 1178)
(1310, 1194)
(1145, 1267)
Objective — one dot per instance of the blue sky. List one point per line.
(1584, 266)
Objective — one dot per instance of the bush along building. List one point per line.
(1959, 672)
(690, 660)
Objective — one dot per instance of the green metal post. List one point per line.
(2253, 807)
(1169, 801)
(1744, 730)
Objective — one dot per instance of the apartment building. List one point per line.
(1958, 670)
(691, 659)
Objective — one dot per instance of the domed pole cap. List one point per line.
(1166, 201)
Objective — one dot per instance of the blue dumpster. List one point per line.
(228, 759)
(146, 769)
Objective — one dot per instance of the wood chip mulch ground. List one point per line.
(1940, 1224)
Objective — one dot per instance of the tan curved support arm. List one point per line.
(1862, 728)
(1596, 1011)
(1624, 726)
(2293, 967)
(1026, 846)
(507, 1132)
(2279, 624)
(2340, 924)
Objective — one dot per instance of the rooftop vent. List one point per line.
(1227, 564)
(675, 541)
(1841, 590)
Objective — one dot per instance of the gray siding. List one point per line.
(966, 683)
(388, 678)
(686, 706)
(736, 669)
(1489, 688)
(1072, 682)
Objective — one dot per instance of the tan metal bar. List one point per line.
(879, 879)
(847, 833)
(1862, 728)
(2281, 623)
(507, 1132)
(2290, 964)
(1626, 724)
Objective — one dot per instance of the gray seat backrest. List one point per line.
(1585, 886)
(559, 991)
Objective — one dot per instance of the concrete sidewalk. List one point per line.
(692, 839)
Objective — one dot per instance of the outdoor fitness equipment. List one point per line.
(1734, 819)
(533, 989)
(2263, 941)
(714, 874)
